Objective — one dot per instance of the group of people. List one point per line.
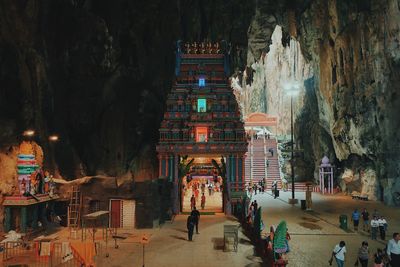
(389, 256)
(256, 187)
(193, 202)
(377, 223)
(252, 210)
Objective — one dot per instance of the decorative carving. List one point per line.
(202, 48)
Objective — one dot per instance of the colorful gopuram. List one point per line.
(27, 206)
(202, 120)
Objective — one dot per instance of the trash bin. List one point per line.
(303, 204)
(343, 221)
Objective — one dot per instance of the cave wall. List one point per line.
(97, 74)
(351, 102)
(354, 49)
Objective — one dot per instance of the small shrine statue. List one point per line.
(195, 49)
(52, 186)
(46, 182)
(209, 48)
(202, 48)
(216, 48)
(22, 188)
(187, 48)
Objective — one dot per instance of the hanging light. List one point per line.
(28, 132)
(53, 138)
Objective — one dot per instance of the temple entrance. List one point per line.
(204, 184)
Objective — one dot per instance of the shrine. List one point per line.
(26, 207)
(202, 137)
(326, 176)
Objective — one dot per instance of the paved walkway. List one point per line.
(169, 247)
(314, 234)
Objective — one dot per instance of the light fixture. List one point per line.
(53, 138)
(28, 133)
(292, 88)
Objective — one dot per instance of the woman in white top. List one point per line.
(374, 227)
(382, 227)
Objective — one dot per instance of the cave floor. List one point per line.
(315, 233)
(169, 246)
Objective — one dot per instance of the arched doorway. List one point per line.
(202, 182)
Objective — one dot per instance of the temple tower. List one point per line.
(202, 121)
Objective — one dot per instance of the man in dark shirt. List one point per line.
(196, 217)
(365, 216)
(190, 227)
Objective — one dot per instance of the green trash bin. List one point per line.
(343, 221)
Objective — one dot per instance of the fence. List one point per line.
(38, 254)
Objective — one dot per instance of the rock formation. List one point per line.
(97, 73)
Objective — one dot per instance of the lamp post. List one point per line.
(292, 88)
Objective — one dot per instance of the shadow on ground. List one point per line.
(178, 237)
(218, 243)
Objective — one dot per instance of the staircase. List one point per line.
(260, 164)
(74, 208)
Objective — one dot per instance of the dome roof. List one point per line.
(325, 160)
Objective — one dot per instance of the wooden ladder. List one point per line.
(74, 209)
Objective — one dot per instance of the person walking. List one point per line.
(196, 218)
(339, 254)
(255, 204)
(203, 201)
(365, 217)
(374, 227)
(393, 250)
(382, 227)
(275, 189)
(192, 202)
(378, 258)
(190, 227)
(355, 217)
(363, 255)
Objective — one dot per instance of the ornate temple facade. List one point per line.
(203, 121)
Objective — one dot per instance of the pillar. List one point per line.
(7, 219)
(163, 166)
(237, 173)
(24, 219)
(35, 218)
(159, 166)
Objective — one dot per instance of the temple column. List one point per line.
(243, 186)
(34, 216)
(167, 166)
(24, 219)
(159, 166)
(7, 219)
(237, 173)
